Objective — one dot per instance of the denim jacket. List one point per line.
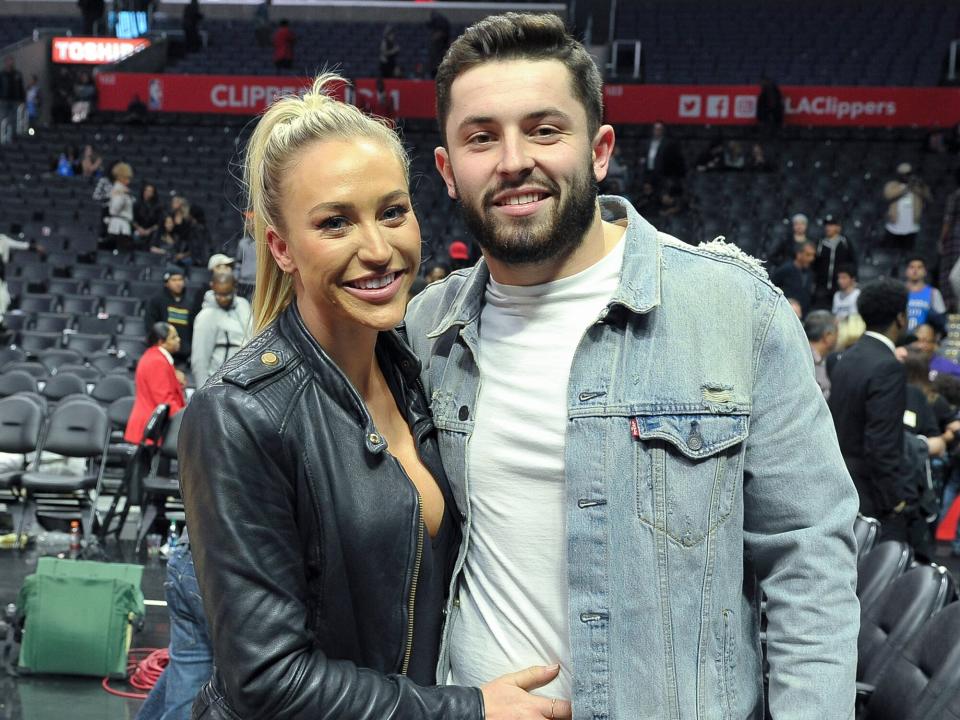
(702, 469)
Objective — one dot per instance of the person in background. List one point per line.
(459, 255)
(389, 51)
(12, 92)
(928, 342)
(91, 163)
(120, 211)
(949, 247)
(769, 108)
(220, 329)
(246, 265)
(261, 23)
(833, 252)
(157, 381)
(925, 302)
(868, 396)
(436, 273)
(845, 298)
(795, 277)
(820, 327)
(191, 25)
(907, 196)
(147, 216)
(284, 40)
(785, 247)
(170, 306)
(34, 100)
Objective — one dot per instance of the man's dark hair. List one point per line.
(158, 333)
(849, 269)
(803, 246)
(818, 323)
(880, 302)
(521, 36)
(917, 258)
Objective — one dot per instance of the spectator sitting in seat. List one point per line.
(147, 216)
(167, 243)
(795, 277)
(220, 329)
(927, 341)
(758, 159)
(733, 156)
(673, 201)
(712, 157)
(662, 158)
(170, 306)
(436, 272)
(91, 163)
(845, 298)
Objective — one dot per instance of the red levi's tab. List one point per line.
(634, 428)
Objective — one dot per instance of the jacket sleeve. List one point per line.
(239, 491)
(201, 347)
(883, 431)
(799, 508)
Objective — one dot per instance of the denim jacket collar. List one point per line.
(639, 293)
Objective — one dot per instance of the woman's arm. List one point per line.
(239, 494)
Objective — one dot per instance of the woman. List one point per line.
(166, 242)
(320, 519)
(120, 209)
(157, 382)
(147, 215)
(91, 164)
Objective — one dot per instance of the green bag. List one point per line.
(79, 617)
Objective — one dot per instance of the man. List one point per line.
(220, 329)
(925, 302)
(845, 298)
(821, 330)
(216, 263)
(928, 342)
(662, 159)
(632, 467)
(906, 195)
(12, 92)
(868, 399)
(833, 252)
(170, 305)
(795, 277)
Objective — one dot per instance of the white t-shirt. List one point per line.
(513, 594)
(905, 224)
(845, 304)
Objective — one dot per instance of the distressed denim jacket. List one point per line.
(702, 469)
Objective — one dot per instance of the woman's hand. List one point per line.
(508, 697)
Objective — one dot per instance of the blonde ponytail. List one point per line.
(289, 125)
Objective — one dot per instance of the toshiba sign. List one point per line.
(94, 50)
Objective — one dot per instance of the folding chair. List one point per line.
(138, 466)
(76, 429)
(160, 487)
(61, 385)
(13, 382)
(54, 358)
(21, 422)
(113, 387)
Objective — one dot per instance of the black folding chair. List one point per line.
(77, 428)
(162, 485)
(21, 422)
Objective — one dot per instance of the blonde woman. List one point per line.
(320, 520)
(120, 210)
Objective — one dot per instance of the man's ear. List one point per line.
(280, 250)
(442, 159)
(603, 143)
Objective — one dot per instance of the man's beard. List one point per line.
(531, 241)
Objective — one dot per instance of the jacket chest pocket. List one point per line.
(688, 470)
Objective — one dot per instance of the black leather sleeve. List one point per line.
(883, 432)
(239, 491)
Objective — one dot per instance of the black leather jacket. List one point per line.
(305, 532)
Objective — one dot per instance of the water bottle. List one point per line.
(75, 544)
(172, 537)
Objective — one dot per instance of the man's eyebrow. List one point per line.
(343, 206)
(535, 115)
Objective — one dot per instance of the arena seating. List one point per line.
(804, 42)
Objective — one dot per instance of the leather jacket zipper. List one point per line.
(411, 603)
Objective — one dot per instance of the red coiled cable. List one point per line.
(141, 675)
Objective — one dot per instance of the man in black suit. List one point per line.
(868, 397)
(662, 158)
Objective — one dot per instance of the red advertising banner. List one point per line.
(93, 50)
(626, 104)
(244, 94)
